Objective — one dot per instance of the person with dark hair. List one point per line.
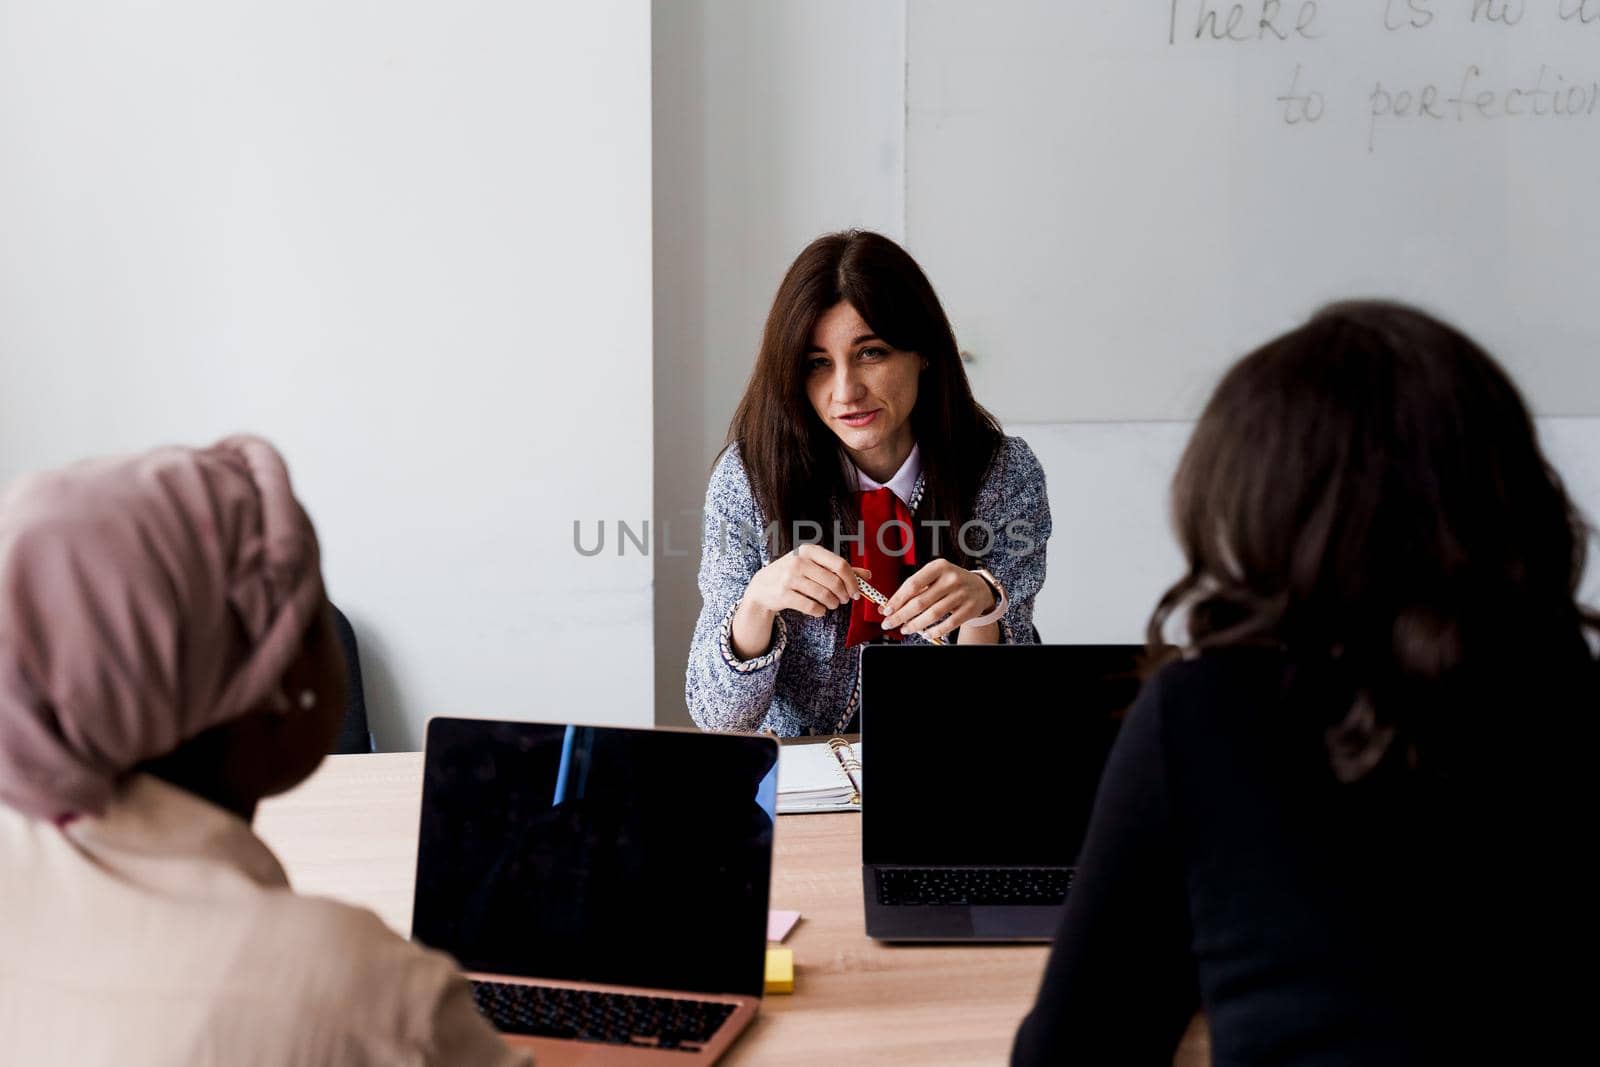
(168, 659)
(858, 451)
(1348, 823)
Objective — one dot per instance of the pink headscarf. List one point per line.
(143, 600)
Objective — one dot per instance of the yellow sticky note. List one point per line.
(780, 969)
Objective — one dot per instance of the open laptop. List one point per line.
(985, 761)
(605, 889)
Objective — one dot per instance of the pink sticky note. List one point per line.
(779, 923)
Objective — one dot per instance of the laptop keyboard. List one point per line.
(1036, 886)
(608, 1018)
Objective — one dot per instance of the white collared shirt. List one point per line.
(904, 482)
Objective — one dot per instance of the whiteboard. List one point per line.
(1116, 198)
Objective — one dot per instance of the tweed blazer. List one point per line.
(808, 682)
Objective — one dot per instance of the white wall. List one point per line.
(775, 121)
(408, 241)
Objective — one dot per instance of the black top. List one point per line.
(1413, 917)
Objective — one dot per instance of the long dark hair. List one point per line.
(1367, 494)
(798, 469)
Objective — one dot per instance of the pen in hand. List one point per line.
(883, 602)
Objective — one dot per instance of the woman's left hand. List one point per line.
(937, 599)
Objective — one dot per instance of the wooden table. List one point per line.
(350, 832)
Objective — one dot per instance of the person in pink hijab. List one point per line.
(167, 659)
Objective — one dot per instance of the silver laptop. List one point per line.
(985, 761)
(605, 889)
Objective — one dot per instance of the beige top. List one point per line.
(165, 935)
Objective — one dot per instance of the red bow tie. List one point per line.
(889, 563)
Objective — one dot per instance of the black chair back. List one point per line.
(354, 735)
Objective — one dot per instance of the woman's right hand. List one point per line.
(810, 580)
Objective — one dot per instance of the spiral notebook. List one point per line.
(819, 777)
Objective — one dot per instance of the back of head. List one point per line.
(143, 601)
(1367, 494)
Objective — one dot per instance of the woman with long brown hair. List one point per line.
(858, 452)
(1345, 824)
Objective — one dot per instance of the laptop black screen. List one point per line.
(988, 754)
(628, 857)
